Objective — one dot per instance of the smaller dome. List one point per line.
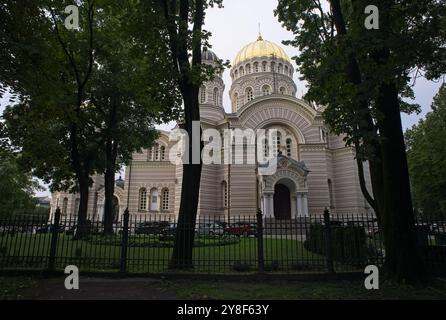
(208, 55)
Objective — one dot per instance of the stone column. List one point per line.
(268, 198)
(305, 204)
(299, 212)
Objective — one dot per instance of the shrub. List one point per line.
(348, 242)
(273, 266)
(242, 266)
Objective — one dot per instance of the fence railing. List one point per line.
(316, 244)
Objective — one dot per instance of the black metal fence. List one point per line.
(317, 244)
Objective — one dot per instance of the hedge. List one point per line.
(349, 243)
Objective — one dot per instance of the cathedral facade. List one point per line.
(315, 170)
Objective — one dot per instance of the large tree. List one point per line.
(184, 22)
(87, 98)
(131, 90)
(362, 77)
(17, 188)
(426, 154)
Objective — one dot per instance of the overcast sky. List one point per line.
(237, 24)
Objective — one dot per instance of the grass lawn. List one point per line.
(30, 251)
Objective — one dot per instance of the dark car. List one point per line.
(153, 227)
(241, 229)
(50, 228)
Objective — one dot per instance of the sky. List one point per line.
(237, 24)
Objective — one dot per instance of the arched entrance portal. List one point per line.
(282, 202)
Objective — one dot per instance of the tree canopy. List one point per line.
(426, 154)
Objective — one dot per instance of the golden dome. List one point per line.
(261, 48)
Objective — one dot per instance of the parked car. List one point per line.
(241, 229)
(170, 230)
(151, 227)
(50, 228)
(210, 229)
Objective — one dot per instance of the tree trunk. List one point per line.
(109, 186)
(403, 260)
(84, 185)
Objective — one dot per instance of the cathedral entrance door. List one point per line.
(282, 202)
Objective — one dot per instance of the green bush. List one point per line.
(240, 266)
(349, 243)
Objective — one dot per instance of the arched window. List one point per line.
(280, 70)
(236, 102)
(203, 94)
(248, 69)
(282, 90)
(264, 66)
(154, 200)
(163, 153)
(65, 206)
(165, 200)
(242, 71)
(224, 190)
(236, 74)
(156, 148)
(142, 199)
(291, 72)
(286, 69)
(249, 94)
(256, 67)
(273, 66)
(288, 147)
(266, 90)
(216, 97)
(149, 154)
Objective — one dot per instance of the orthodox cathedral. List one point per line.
(315, 170)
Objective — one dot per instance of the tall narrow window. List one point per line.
(278, 143)
(256, 67)
(165, 200)
(163, 153)
(156, 148)
(266, 90)
(266, 148)
(288, 147)
(264, 66)
(224, 187)
(249, 94)
(330, 193)
(280, 69)
(236, 102)
(286, 70)
(216, 97)
(203, 94)
(142, 199)
(273, 67)
(65, 206)
(242, 71)
(248, 69)
(236, 74)
(76, 206)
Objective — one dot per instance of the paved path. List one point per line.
(100, 289)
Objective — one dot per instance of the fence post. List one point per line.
(53, 244)
(124, 243)
(261, 260)
(328, 243)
